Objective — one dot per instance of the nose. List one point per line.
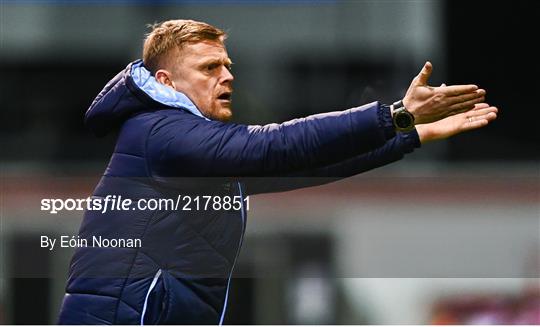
(226, 76)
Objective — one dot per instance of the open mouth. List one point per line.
(225, 96)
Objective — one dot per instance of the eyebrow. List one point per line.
(226, 61)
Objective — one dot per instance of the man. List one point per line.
(171, 111)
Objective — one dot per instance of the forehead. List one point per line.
(203, 50)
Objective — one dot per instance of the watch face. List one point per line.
(403, 120)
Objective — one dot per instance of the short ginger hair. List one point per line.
(174, 34)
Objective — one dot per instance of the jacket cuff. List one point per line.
(409, 140)
(385, 121)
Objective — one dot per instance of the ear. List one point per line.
(164, 77)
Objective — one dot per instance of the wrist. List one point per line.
(402, 119)
(424, 133)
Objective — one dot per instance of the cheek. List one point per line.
(203, 92)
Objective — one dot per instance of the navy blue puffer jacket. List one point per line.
(181, 272)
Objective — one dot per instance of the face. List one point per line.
(203, 74)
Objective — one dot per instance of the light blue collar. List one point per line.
(159, 92)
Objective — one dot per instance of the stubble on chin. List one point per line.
(221, 114)
(224, 114)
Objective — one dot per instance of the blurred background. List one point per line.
(450, 234)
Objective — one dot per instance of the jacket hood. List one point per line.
(132, 91)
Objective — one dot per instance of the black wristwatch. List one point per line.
(402, 118)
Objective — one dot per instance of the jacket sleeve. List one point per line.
(391, 151)
(191, 146)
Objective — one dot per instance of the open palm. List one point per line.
(478, 117)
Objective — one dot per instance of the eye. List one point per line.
(212, 66)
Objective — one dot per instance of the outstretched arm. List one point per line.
(186, 145)
(392, 151)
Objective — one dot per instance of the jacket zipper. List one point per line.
(152, 285)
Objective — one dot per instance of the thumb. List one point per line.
(425, 73)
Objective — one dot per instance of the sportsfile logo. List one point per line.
(119, 203)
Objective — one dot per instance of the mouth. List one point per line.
(225, 96)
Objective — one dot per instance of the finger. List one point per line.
(479, 112)
(481, 106)
(464, 106)
(425, 73)
(488, 116)
(454, 90)
(479, 109)
(478, 94)
(478, 121)
(443, 85)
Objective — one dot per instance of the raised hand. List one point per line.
(478, 117)
(429, 104)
